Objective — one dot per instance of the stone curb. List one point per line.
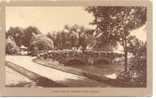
(39, 80)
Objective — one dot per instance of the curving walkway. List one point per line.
(13, 78)
(61, 77)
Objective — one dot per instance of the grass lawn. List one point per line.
(101, 70)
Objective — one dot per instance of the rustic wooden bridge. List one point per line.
(86, 57)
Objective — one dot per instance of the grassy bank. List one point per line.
(94, 74)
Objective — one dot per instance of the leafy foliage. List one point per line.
(41, 43)
(22, 36)
(11, 47)
(113, 24)
(29, 33)
(71, 36)
(17, 34)
(137, 63)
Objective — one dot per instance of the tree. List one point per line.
(139, 52)
(22, 36)
(74, 33)
(53, 37)
(71, 36)
(77, 35)
(11, 47)
(136, 46)
(39, 43)
(29, 33)
(114, 24)
(139, 60)
(17, 33)
(60, 41)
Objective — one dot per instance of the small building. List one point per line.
(23, 50)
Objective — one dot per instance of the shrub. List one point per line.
(41, 43)
(11, 47)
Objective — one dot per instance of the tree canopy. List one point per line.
(22, 36)
(71, 36)
(113, 24)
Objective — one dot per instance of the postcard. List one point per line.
(76, 48)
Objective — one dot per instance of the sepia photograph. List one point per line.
(76, 46)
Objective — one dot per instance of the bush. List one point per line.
(136, 75)
(41, 43)
(11, 47)
(124, 76)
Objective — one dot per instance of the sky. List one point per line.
(141, 32)
(49, 19)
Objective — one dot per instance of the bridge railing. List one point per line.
(55, 54)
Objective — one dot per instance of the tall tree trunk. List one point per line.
(126, 54)
(126, 61)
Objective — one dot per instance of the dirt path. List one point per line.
(68, 79)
